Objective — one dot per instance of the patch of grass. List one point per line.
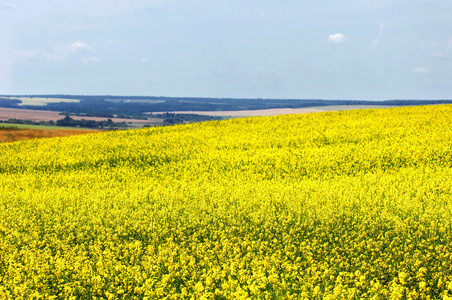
(6, 128)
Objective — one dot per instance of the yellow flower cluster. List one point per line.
(338, 205)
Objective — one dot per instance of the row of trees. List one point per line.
(67, 121)
(28, 122)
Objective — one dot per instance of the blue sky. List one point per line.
(348, 49)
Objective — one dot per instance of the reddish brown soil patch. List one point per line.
(11, 135)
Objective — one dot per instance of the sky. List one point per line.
(288, 49)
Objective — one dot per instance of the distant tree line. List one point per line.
(95, 114)
(28, 122)
(172, 118)
(99, 107)
(137, 107)
(10, 103)
(67, 121)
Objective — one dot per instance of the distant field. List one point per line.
(17, 132)
(134, 100)
(279, 111)
(46, 116)
(4, 126)
(42, 101)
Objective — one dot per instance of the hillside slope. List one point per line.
(337, 205)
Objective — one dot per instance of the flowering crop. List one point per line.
(338, 205)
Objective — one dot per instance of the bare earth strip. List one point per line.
(279, 111)
(46, 116)
(12, 135)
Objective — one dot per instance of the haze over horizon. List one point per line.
(351, 49)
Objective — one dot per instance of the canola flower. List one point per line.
(337, 205)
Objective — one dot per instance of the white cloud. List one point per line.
(421, 70)
(443, 50)
(24, 55)
(71, 11)
(89, 59)
(377, 40)
(375, 4)
(9, 6)
(110, 7)
(6, 69)
(449, 44)
(63, 51)
(336, 38)
(59, 53)
(77, 45)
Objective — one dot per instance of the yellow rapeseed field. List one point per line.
(337, 205)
